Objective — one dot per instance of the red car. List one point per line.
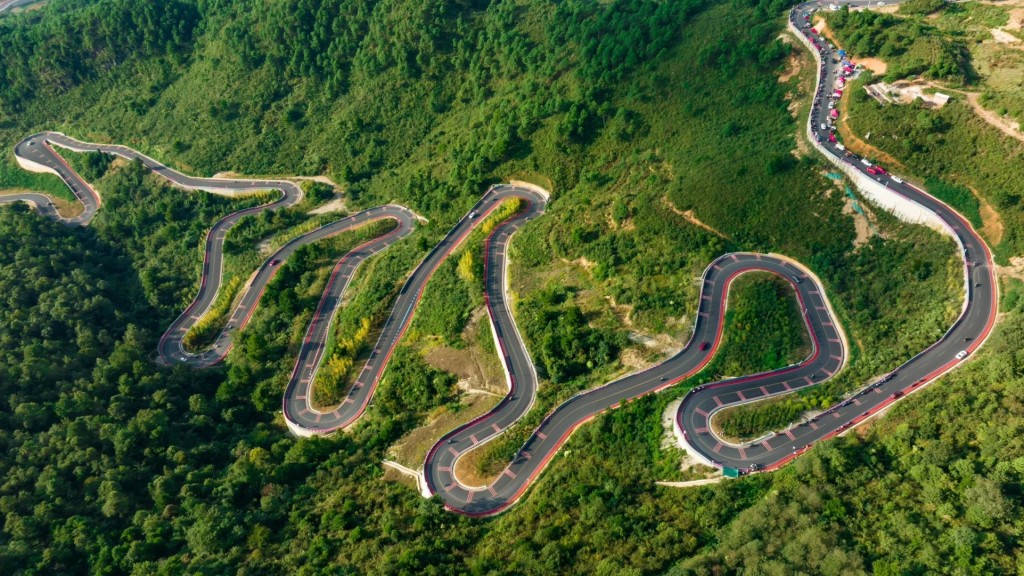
(704, 346)
(275, 262)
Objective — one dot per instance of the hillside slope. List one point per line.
(641, 116)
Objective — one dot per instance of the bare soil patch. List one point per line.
(690, 217)
(876, 65)
(1016, 21)
(481, 381)
(887, 9)
(336, 205)
(991, 222)
(1014, 270)
(1004, 37)
(906, 92)
(860, 222)
(1009, 127)
(794, 64)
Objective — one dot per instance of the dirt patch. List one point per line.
(481, 381)
(887, 9)
(991, 221)
(860, 222)
(1014, 270)
(822, 28)
(582, 263)
(906, 92)
(655, 350)
(622, 311)
(336, 205)
(1016, 21)
(876, 65)
(1004, 37)
(1009, 127)
(794, 64)
(477, 370)
(689, 216)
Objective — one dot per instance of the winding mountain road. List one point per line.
(829, 350)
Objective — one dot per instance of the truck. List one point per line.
(729, 472)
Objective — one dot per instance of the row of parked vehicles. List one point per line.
(845, 69)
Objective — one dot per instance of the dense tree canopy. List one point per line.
(633, 113)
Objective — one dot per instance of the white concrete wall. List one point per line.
(32, 166)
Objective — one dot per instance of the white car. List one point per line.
(865, 162)
(823, 127)
(961, 354)
(896, 179)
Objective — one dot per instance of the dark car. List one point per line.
(704, 346)
(275, 262)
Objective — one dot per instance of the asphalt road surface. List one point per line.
(828, 354)
(6, 5)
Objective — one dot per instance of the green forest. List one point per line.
(632, 113)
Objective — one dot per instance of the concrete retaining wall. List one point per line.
(33, 166)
